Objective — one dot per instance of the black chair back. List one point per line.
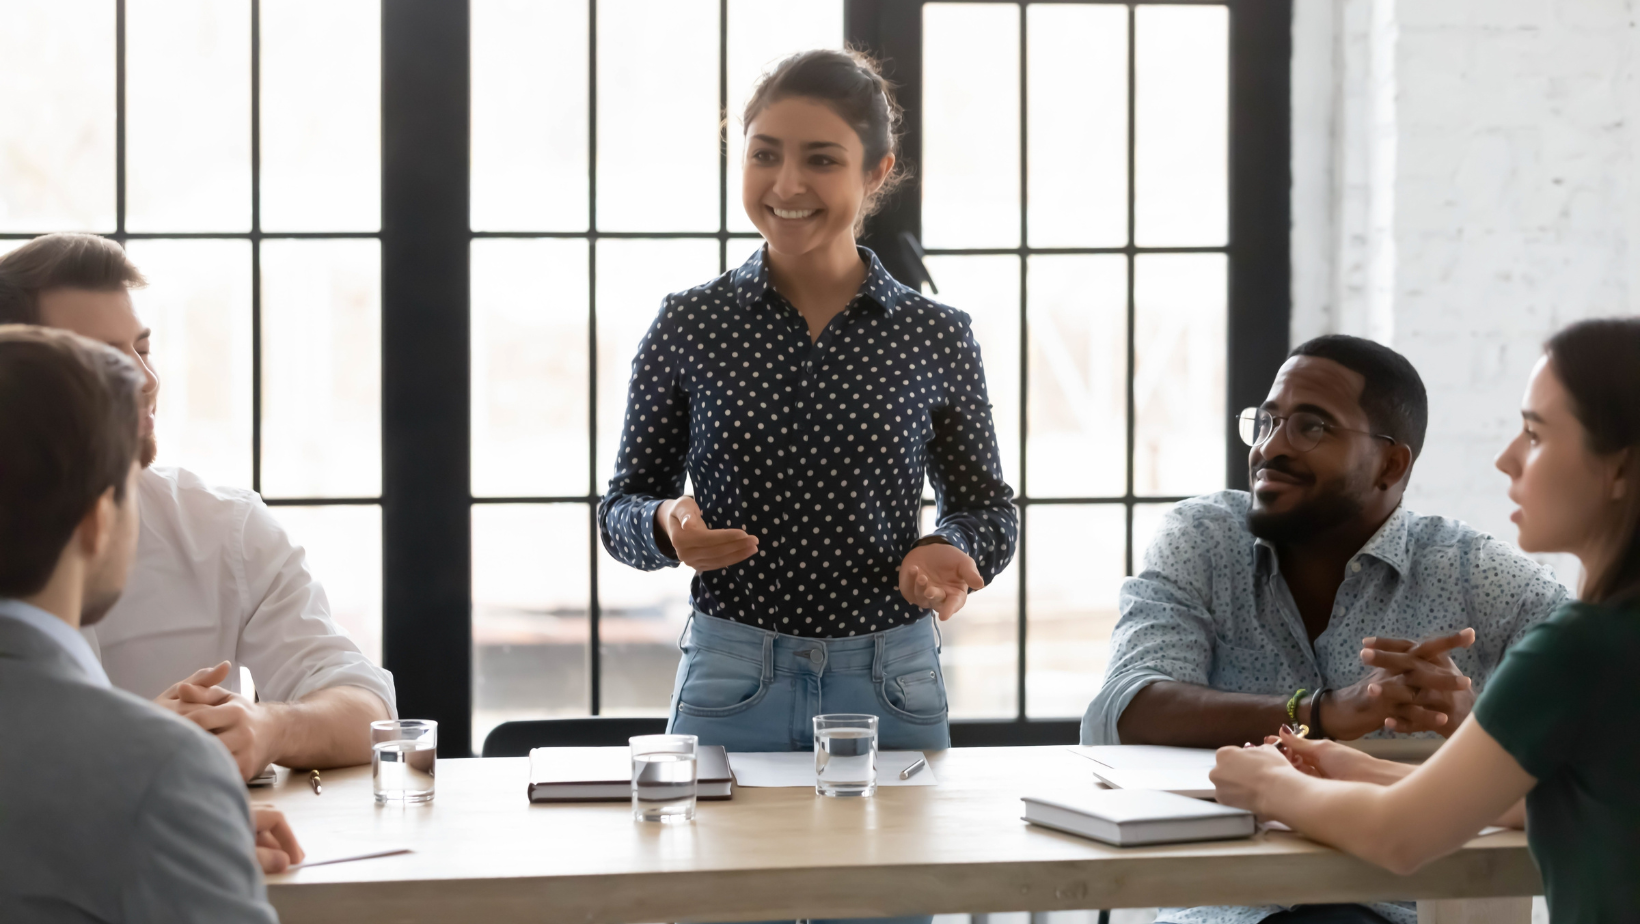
(514, 739)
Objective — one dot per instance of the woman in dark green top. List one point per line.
(1556, 723)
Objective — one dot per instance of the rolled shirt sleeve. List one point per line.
(289, 640)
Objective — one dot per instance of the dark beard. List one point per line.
(149, 450)
(1336, 507)
(96, 605)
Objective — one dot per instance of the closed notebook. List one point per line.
(605, 774)
(1136, 817)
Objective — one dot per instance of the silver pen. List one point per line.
(911, 771)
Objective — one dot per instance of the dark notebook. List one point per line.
(605, 774)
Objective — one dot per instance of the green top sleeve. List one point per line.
(1537, 702)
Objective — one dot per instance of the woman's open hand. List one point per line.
(694, 543)
(1333, 761)
(938, 577)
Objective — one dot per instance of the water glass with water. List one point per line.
(663, 778)
(845, 754)
(402, 757)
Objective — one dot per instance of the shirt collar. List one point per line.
(751, 282)
(66, 636)
(1388, 545)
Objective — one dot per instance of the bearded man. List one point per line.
(1316, 599)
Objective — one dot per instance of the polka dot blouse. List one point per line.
(818, 448)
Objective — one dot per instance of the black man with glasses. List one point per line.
(1316, 598)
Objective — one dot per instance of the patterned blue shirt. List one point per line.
(819, 448)
(1211, 608)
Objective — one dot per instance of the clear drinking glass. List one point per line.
(402, 755)
(663, 778)
(845, 754)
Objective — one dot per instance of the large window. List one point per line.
(233, 148)
(402, 253)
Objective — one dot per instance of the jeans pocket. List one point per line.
(918, 695)
(718, 684)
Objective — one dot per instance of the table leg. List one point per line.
(1512, 910)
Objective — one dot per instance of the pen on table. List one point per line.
(912, 770)
(315, 782)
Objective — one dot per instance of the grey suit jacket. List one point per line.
(112, 809)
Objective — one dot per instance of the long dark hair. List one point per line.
(853, 86)
(1598, 361)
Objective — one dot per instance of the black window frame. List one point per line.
(425, 236)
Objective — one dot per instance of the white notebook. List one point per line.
(1145, 766)
(1135, 817)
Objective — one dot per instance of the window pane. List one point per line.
(970, 123)
(658, 115)
(1078, 391)
(761, 32)
(321, 115)
(979, 653)
(640, 616)
(344, 552)
(633, 277)
(529, 367)
(57, 116)
(321, 368)
(1077, 562)
(1182, 118)
(1147, 519)
(530, 628)
(1077, 87)
(198, 303)
(988, 289)
(1179, 373)
(529, 120)
(188, 115)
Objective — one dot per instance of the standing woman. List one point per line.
(807, 395)
(1556, 722)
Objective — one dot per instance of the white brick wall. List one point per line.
(1468, 182)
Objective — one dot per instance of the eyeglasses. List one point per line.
(1304, 429)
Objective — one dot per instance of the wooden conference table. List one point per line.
(482, 852)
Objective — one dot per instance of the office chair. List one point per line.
(514, 739)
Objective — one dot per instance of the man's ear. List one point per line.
(1396, 466)
(96, 529)
(1622, 474)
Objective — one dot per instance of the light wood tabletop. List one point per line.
(482, 852)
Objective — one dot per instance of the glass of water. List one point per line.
(663, 778)
(402, 755)
(845, 754)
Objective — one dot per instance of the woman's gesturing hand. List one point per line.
(678, 522)
(938, 577)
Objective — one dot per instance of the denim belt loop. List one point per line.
(877, 659)
(768, 658)
(686, 624)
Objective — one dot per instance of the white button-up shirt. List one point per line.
(217, 579)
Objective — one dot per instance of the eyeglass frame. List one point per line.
(1280, 420)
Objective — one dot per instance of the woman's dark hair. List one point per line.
(852, 85)
(1598, 362)
(68, 432)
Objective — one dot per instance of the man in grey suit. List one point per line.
(110, 808)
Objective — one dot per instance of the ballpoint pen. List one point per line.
(315, 782)
(912, 770)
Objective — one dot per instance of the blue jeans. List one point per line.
(750, 689)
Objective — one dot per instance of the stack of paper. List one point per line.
(1143, 766)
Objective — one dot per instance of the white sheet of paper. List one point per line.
(796, 768)
(1144, 766)
(371, 855)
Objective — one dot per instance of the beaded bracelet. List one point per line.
(1292, 707)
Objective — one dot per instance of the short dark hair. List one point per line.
(61, 261)
(1393, 397)
(851, 84)
(1598, 362)
(68, 432)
